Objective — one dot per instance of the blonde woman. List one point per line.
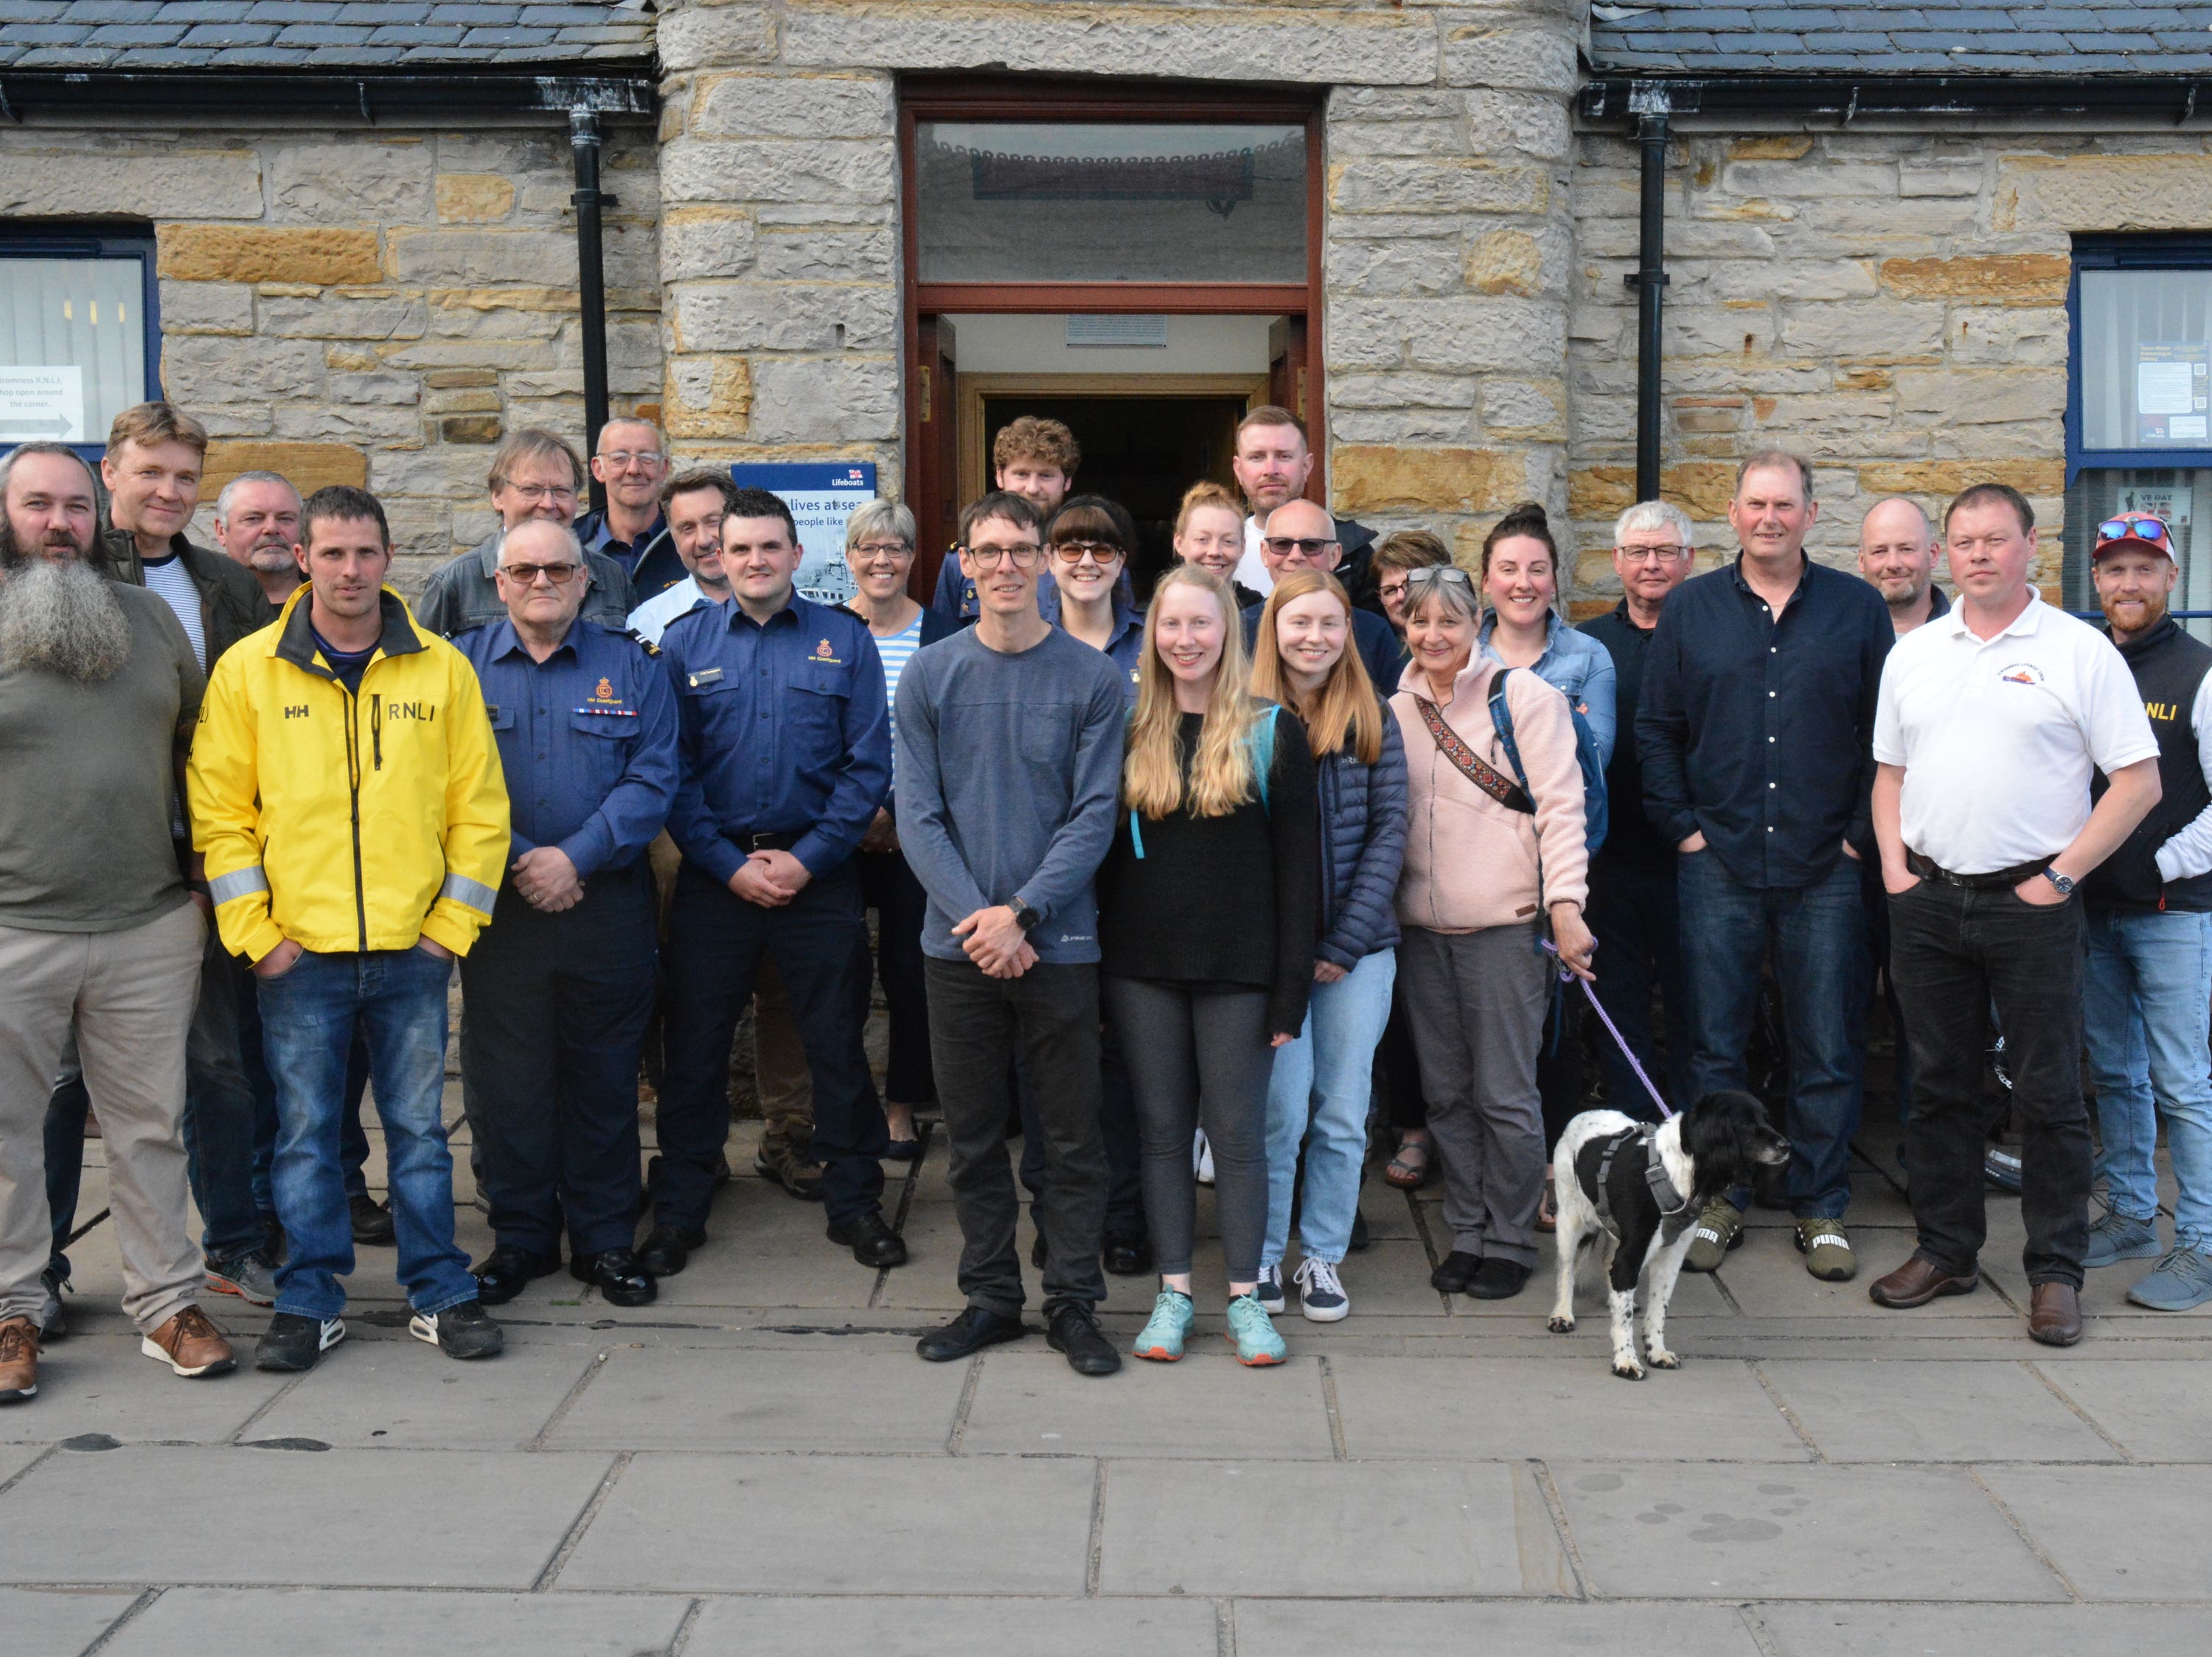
(1319, 1093)
(1208, 904)
(1209, 532)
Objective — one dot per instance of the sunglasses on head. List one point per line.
(2135, 529)
(1436, 572)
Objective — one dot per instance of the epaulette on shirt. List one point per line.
(640, 641)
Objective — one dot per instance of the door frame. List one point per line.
(976, 388)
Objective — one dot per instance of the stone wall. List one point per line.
(1446, 220)
(368, 307)
(1891, 306)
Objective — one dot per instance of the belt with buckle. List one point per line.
(1929, 869)
(767, 842)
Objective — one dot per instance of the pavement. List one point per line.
(759, 1463)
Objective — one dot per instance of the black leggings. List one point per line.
(1198, 1057)
(887, 887)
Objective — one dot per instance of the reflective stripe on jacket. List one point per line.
(347, 823)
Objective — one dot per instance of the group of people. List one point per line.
(1325, 827)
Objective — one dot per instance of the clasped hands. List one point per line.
(994, 941)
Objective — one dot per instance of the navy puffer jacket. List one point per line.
(1362, 844)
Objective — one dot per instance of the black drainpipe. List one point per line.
(591, 281)
(1649, 281)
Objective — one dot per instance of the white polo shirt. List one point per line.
(1252, 569)
(650, 619)
(1998, 738)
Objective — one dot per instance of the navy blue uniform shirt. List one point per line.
(782, 729)
(1125, 645)
(586, 738)
(1760, 732)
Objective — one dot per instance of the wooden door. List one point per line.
(935, 496)
(1289, 385)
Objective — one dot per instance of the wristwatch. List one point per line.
(1027, 918)
(2063, 882)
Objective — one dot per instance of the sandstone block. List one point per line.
(1530, 52)
(1876, 330)
(1399, 391)
(211, 253)
(825, 400)
(1527, 411)
(1774, 147)
(2006, 278)
(832, 170)
(161, 181)
(372, 180)
(1365, 476)
(1790, 277)
(221, 308)
(1944, 479)
(373, 386)
(386, 315)
(1983, 396)
(561, 300)
(1506, 262)
(2095, 192)
(784, 317)
(308, 466)
(545, 259)
(1532, 123)
(1934, 176)
(828, 254)
(1701, 488)
(1710, 330)
(470, 428)
(699, 37)
(1410, 425)
(705, 242)
(453, 379)
(467, 402)
(474, 197)
(364, 424)
(197, 369)
(1448, 335)
(1397, 265)
(1249, 43)
(709, 397)
(1375, 121)
(1790, 180)
(1389, 185)
(794, 106)
(2011, 336)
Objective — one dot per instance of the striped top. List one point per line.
(897, 650)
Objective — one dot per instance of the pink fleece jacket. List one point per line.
(1469, 862)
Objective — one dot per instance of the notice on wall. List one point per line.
(42, 403)
(822, 495)
(2172, 503)
(2172, 388)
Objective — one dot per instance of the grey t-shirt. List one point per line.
(1009, 777)
(86, 809)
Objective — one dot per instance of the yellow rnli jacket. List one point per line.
(343, 822)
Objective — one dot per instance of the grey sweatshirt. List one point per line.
(1010, 773)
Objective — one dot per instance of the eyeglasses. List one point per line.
(1283, 545)
(1667, 554)
(2144, 528)
(526, 575)
(872, 550)
(990, 558)
(541, 492)
(1436, 572)
(620, 460)
(1074, 552)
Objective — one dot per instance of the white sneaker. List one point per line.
(1202, 1158)
(1270, 1291)
(1320, 1292)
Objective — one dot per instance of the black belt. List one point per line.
(767, 842)
(1927, 869)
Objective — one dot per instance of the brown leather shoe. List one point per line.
(2054, 1315)
(19, 1361)
(191, 1344)
(1918, 1281)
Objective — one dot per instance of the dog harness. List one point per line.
(1673, 1206)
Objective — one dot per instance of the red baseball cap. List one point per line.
(2142, 532)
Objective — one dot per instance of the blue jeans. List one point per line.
(353, 1143)
(308, 1015)
(2146, 1009)
(1817, 934)
(1318, 1094)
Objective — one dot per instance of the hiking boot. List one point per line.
(2114, 1237)
(1720, 1228)
(791, 1168)
(1252, 1334)
(19, 1361)
(2183, 1279)
(191, 1344)
(1162, 1337)
(464, 1332)
(1269, 1293)
(1828, 1251)
(293, 1343)
(1320, 1292)
(249, 1276)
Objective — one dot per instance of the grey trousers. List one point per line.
(131, 994)
(1476, 1002)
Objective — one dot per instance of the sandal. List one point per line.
(1547, 1207)
(1409, 1169)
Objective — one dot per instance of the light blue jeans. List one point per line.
(2147, 1011)
(1318, 1094)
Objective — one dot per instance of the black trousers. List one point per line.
(557, 1009)
(1398, 1068)
(977, 1023)
(887, 887)
(1634, 912)
(819, 941)
(1117, 1127)
(1955, 953)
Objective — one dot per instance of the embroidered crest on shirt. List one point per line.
(2023, 673)
(822, 652)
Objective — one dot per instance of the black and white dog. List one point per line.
(1638, 1190)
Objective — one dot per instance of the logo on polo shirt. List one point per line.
(2023, 673)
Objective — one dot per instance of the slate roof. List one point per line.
(231, 35)
(1881, 37)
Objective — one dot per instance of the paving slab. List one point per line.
(1708, 1533)
(57, 1622)
(1710, 1409)
(763, 1249)
(2159, 1408)
(1933, 1411)
(1390, 1279)
(658, 1398)
(93, 1383)
(1030, 1403)
(392, 1395)
(1293, 1529)
(2141, 1537)
(14, 1458)
(1799, 1630)
(1307, 1628)
(339, 1622)
(754, 1524)
(898, 1627)
(412, 1518)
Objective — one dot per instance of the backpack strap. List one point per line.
(1501, 720)
(1261, 739)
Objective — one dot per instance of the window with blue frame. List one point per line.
(2139, 401)
(80, 331)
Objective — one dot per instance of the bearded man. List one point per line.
(99, 689)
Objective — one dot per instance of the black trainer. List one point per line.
(292, 1344)
(873, 1242)
(1073, 1330)
(616, 1274)
(466, 1331)
(1498, 1280)
(1457, 1272)
(508, 1270)
(971, 1332)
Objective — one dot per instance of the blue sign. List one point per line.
(822, 495)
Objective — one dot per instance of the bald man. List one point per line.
(1299, 535)
(1896, 553)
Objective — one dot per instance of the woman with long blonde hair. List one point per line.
(1208, 904)
(1319, 1091)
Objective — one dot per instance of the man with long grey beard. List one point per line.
(99, 689)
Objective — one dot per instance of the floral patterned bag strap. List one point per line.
(1470, 765)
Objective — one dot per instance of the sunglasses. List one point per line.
(2139, 529)
(1443, 572)
(526, 575)
(1283, 545)
(1073, 552)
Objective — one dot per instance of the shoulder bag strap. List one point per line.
(1470, 765)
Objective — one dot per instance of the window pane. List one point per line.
(2173, 494)
(1022, 202)
(2145, 358)
(79, 316)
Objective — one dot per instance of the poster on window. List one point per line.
(2172, 503)
(2172, 387)
(822, 495)
(42, 403)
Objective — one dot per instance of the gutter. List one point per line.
(335, 98)
(1620, 95)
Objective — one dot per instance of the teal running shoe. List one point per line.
(1161, 1338)
(1254, 1332)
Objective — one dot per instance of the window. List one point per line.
(2139, 402)
(79, 335)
